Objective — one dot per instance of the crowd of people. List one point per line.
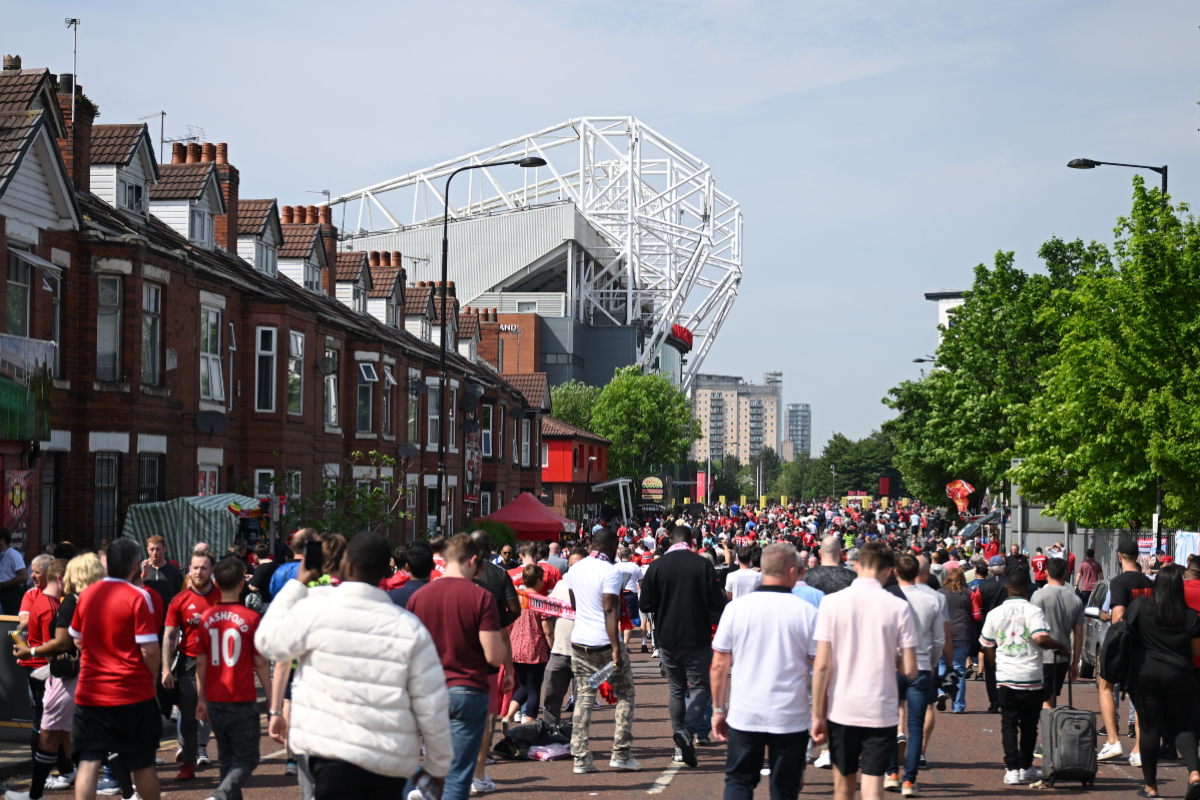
(812, 633)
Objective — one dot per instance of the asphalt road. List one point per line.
(965, 761)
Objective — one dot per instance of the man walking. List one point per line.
(558, 668)
(183, 630)
(159, 574)
(595, 642)
(1013, 637)
(1064, 618)
(745, 580)
(1090, 571)
(1122, 590)
(832, 576)
(361, 731)
(766, 639)
(992, 593)
(681, 591)
(859, 632)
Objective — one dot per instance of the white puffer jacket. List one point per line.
(370, 684)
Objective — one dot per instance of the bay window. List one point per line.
(264, 380)
(108, 328)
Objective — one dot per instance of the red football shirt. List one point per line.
(226, 639)
(28, 599)
(1039, 567)
(184, 613)
(111, 621)
(41, 618)
(550, 577)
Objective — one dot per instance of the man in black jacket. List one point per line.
(682, 592)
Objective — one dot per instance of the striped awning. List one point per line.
(186, 521)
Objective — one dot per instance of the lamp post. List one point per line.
(1087, 163)
(589, 482)
(527, 163)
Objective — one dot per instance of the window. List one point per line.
(295, 479)
(312, 278)
(390, 315)
(151, 477)
(264, 482)
(151, 333)
(55, 284)
(413, 404)
(516, 452)
(499, 499)
(450, 492)
(524, 443)
(104, 501)
(266, 258)
(232, 350)
(367, 378)
(574, 458)
(410, 503)
(545, 456)
(132, 196)
(485, 430)
(452, 416)
(18, 296)
(295, 374)
(264, 382)
(206, 483)
(499, 438)
(527, 307)
(212, 384)
(331, 390)
(389, 383)
(485, 503)
(199, 227)
(108, 328)
(431, 509)
(433, 411)
(359, 298)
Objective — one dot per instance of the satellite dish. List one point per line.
(326, 365)
(517, 412)
(473, 390)
(211, 422)
(408, 451)
(470, 425)
(417, 387)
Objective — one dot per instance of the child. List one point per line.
(225, 669)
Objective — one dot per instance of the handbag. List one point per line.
(65, 665)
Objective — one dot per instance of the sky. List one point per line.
(880, 150)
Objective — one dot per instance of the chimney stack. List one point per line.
(193, 153)
(12, 63)
(285, 215)
(208, 153)
(323, 216)
(222, 153)
(76, 149)
(373, 258)
(178, 152)
(225, 227)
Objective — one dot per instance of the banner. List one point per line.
(883, 503)
(560, 608)
(701, 487)
(743, 501)
(722, 499)
(472, 468)
(762, 502)
(783, 500)
(687, 501)
(16, 506)
(958, 491)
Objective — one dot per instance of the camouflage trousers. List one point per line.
(584, 664)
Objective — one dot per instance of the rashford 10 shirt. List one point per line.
(226, 643)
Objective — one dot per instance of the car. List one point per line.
(971, 530)
(1094, 631)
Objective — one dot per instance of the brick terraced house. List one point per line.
(145, 300)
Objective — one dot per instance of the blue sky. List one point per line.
(879, 150)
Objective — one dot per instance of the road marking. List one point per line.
(276, 754)
(664, 780)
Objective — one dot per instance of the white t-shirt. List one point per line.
(632, 573)
(591, 579)
(770, 634)
(742, 583)
(1010, 628)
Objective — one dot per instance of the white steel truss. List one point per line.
(674, 249)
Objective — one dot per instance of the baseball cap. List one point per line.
(996, 561)
(1128, 547)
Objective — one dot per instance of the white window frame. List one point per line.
(258, 483)
(266, 258)
(358, 298)
(525, 442)
(367, 378)
(104, 309)
(295, 370)
(485, 503)
(295, 482)
(485, 431)
(138, 190)
(433, 413)
(200, 227)
(500, 436)
(412, 413)
(452, 417)
(152, 323)
(265, 367)
(331, 389)
(312, 277)
(388, 410)
(210, 354)
(208, 476)
(545, 448)
(55, 283)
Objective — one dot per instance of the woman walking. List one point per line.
(532, 636)
(962, 629)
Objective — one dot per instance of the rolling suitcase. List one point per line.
(1068, 743)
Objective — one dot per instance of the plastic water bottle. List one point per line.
(601, 675)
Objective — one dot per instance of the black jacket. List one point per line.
(682, 592)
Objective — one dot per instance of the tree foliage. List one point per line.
(725, 478)
(1121, 402)
(859, 466)
(573, 402)
(345, 504)
(959, 421)
(648, 420)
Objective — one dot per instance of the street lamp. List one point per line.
(926, 360)
(1087, 163)
(527, 163)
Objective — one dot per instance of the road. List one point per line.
(965, 761)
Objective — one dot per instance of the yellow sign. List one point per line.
(687, 501)
(722, 499)
(743, 501)
(904, 502)
(762, 501)
(883, 503)
(783, 500)
(845, 502)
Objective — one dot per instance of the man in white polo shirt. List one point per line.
(766, 636)
(865, 635)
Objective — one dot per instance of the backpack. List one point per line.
(1116, 658)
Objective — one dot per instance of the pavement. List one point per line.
(965, 761)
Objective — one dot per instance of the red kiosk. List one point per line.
(531, 520)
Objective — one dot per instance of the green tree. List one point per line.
(347, 505)
(959, 421)
(573, 402)
(1120, 405)
(769, 460)
(861, 463)
(648, 420)
(725, 478)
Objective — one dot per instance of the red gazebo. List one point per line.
(531, 520)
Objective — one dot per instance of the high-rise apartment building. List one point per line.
(799, 420)
(737, 418)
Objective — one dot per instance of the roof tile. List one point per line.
(114, 144)
(298, 241)
(416, 301)
(553, 428)
(530, 384)
(18, 90)
(349, 265)
(252, 215)
(16, 128)
(383, 282)
(181, 181)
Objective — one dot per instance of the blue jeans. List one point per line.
(468, 715)
(961, 649)
(915, 694)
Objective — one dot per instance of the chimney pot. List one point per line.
(193, 153)
(396, 260)
(313, 217)
(326, 215)
(12, 63)
(373, 258)
(208, 153)
(383, 259)
(285, 215)
(222, 153)
(178, 152)
(66, 83)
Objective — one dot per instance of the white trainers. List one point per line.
(1110, 751)
(1030, 775)
(484, 785)
(13, 794)
(678, 757)
(585, 769)
(824, 761)
(202, 757)
(1135, 759)
(1012, 777)
(59, 782)
(630, 764)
